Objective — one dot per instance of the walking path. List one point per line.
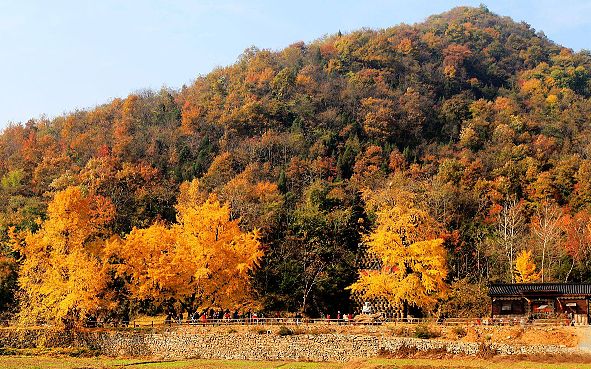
(585, 341)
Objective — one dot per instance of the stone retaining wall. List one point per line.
(183, 343)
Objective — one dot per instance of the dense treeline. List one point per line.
(484, 121)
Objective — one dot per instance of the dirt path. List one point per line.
(585, 341)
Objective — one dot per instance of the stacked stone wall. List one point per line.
(185, 343)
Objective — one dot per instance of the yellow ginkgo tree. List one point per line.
(201, 261)
(413, 261)
(63, 274)
(525, 268)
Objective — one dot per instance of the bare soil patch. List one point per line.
(486, 355)
(529, 335)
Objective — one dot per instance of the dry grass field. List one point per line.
(38, 362)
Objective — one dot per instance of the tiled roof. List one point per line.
(518, 289)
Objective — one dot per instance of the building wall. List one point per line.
(517, 307)
(581, 307)
(521, 307)
(580, 312)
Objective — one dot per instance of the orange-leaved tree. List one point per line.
(525, 268)
(63, 275)
(202, 261)
(413, 262)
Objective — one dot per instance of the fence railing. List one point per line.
(318, 322)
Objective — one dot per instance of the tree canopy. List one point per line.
(413, 264)
(482, 121)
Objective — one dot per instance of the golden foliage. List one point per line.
(525, 268)
(202, 261)
(62, 276)
(415, 267)
(405, 46)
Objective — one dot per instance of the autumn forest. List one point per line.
(464, 141)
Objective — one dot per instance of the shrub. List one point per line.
(284, 331)
(402, 331)
(466, 300)
(486, 351)
(423, 331)
(258, 330)
(459, 331)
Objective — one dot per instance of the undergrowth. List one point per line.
(71, 351)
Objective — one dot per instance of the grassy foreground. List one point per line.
(34, 362)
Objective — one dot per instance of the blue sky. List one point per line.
(58, 56)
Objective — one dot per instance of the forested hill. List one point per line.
(482, 121)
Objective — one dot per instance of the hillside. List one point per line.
(483, 121)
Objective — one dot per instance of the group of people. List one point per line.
(212, 315)
(226, 316)
(206, 315)
(339, 318)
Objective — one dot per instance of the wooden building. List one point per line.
(541, 300)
